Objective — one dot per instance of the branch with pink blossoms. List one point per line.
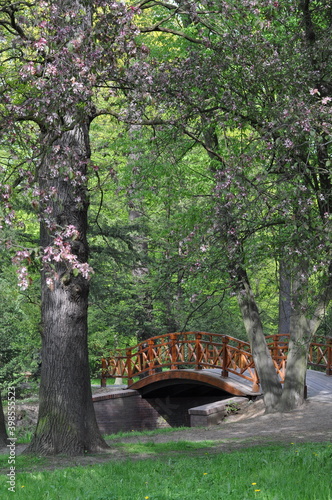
(22, 259)
(61, 253)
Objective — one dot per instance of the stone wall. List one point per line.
(126, 410)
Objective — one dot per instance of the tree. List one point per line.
(60, 60)
(3, 431)
(250, 84)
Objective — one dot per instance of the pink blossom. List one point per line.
(23, 278)
(51, 70)
(61, 252)
(288, 143)
(71, 232)
(20, 256)
(41, 43)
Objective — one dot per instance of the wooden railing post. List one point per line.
(150, 356)
(173, 337)
(129, 367)
(275, 348)
(329, 356)
(225, 341)
(198, 350)
(103, 381)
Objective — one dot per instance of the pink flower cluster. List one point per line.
(21, 258)
(61, 252)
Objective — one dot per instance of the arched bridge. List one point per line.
(202, 359)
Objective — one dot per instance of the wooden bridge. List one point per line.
(206, 358)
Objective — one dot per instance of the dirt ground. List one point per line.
(250, 427)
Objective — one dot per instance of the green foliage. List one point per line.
(147, 277)
(19, 330)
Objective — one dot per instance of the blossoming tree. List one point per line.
(59, 60)
(250, 82)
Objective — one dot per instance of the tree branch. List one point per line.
(10, 12)
(148, 4)
(125, 119)
(308, 24)
(323, 303)
(157, 27)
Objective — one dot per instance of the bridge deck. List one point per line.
(318, 383)
(242, 385)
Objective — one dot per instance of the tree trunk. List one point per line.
(269, 381)
(297, 359)
(66, 421)
(3, 432)
(301, 333)
(295, 381)
(284, 298)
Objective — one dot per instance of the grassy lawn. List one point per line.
(109, 381)
(185, 471)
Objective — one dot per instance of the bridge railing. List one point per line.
(319, 353)
(191, 350)
(202, 350)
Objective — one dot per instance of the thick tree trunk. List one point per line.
(301, 333)
(66, 422)
(269, 381)
(295, 381)
(297, 360)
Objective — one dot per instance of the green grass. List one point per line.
(24, 436)
(154, 432)
(22, 462)
(283, 472)
(158, 448)
(109, 381)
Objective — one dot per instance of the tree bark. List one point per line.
(66, 422)
(269, 381)
(284, 298)
(301, 333)
(3, 432)
(295, 381)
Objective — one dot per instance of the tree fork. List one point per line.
(270, 383)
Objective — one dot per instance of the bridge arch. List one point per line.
(181, 380)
